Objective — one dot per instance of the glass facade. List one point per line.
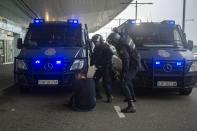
(9, 33)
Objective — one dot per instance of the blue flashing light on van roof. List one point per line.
(73, 21)
(37, 21)
(169, 22)
(134, 21)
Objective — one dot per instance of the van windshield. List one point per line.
(53, 35)
(156, 35)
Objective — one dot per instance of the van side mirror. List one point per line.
(19, 43)
(190, 44)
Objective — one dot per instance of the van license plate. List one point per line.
(166, 83)
(47, 82)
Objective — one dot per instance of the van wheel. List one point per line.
(185, 92)
(24, 89)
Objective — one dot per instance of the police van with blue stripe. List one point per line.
(52, 54)
(167, 59)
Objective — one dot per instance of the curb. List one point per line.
(6, 89)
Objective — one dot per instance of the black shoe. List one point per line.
(109, 99)
(128, 110)
(126, 100)
(68, 105)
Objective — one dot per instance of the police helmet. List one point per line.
(113, 38)
(115, 29)
(127, 40)
(97, 38)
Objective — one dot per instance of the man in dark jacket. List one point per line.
(130, 64)
(102, 59)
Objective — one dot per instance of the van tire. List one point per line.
(24, 89)
(185, 91)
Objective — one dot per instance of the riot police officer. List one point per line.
(130, 64)
(102, 59)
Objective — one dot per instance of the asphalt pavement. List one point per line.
(45, 110)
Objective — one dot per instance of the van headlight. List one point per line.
(21, 65)
(193, 66)
(77, 64)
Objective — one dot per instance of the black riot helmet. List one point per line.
(113, 39)
(127, 40)
(97, 39)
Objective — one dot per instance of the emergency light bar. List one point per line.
(37, 21)
(169, 22)
(134, 21)
(73, 21)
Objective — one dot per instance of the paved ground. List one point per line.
(46, 111)
(6, 76)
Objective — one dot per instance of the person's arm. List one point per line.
(125, 60)
(109, 54)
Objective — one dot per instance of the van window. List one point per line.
(53, 35)
(177, 38)
(156, 35)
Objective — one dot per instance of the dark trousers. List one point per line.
(127, 85)
(104, 73)
(128, 90)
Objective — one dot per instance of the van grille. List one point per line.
(166, 67)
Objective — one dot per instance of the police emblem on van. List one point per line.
(50, 52)
(167, 68)
(48, 66)
(163, 53)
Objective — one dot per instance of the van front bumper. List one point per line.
(32, 80)
(145, 80)
(46, 73)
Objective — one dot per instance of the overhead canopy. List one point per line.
(95, 13)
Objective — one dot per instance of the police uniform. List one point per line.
(125, 48)
(102, 59)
